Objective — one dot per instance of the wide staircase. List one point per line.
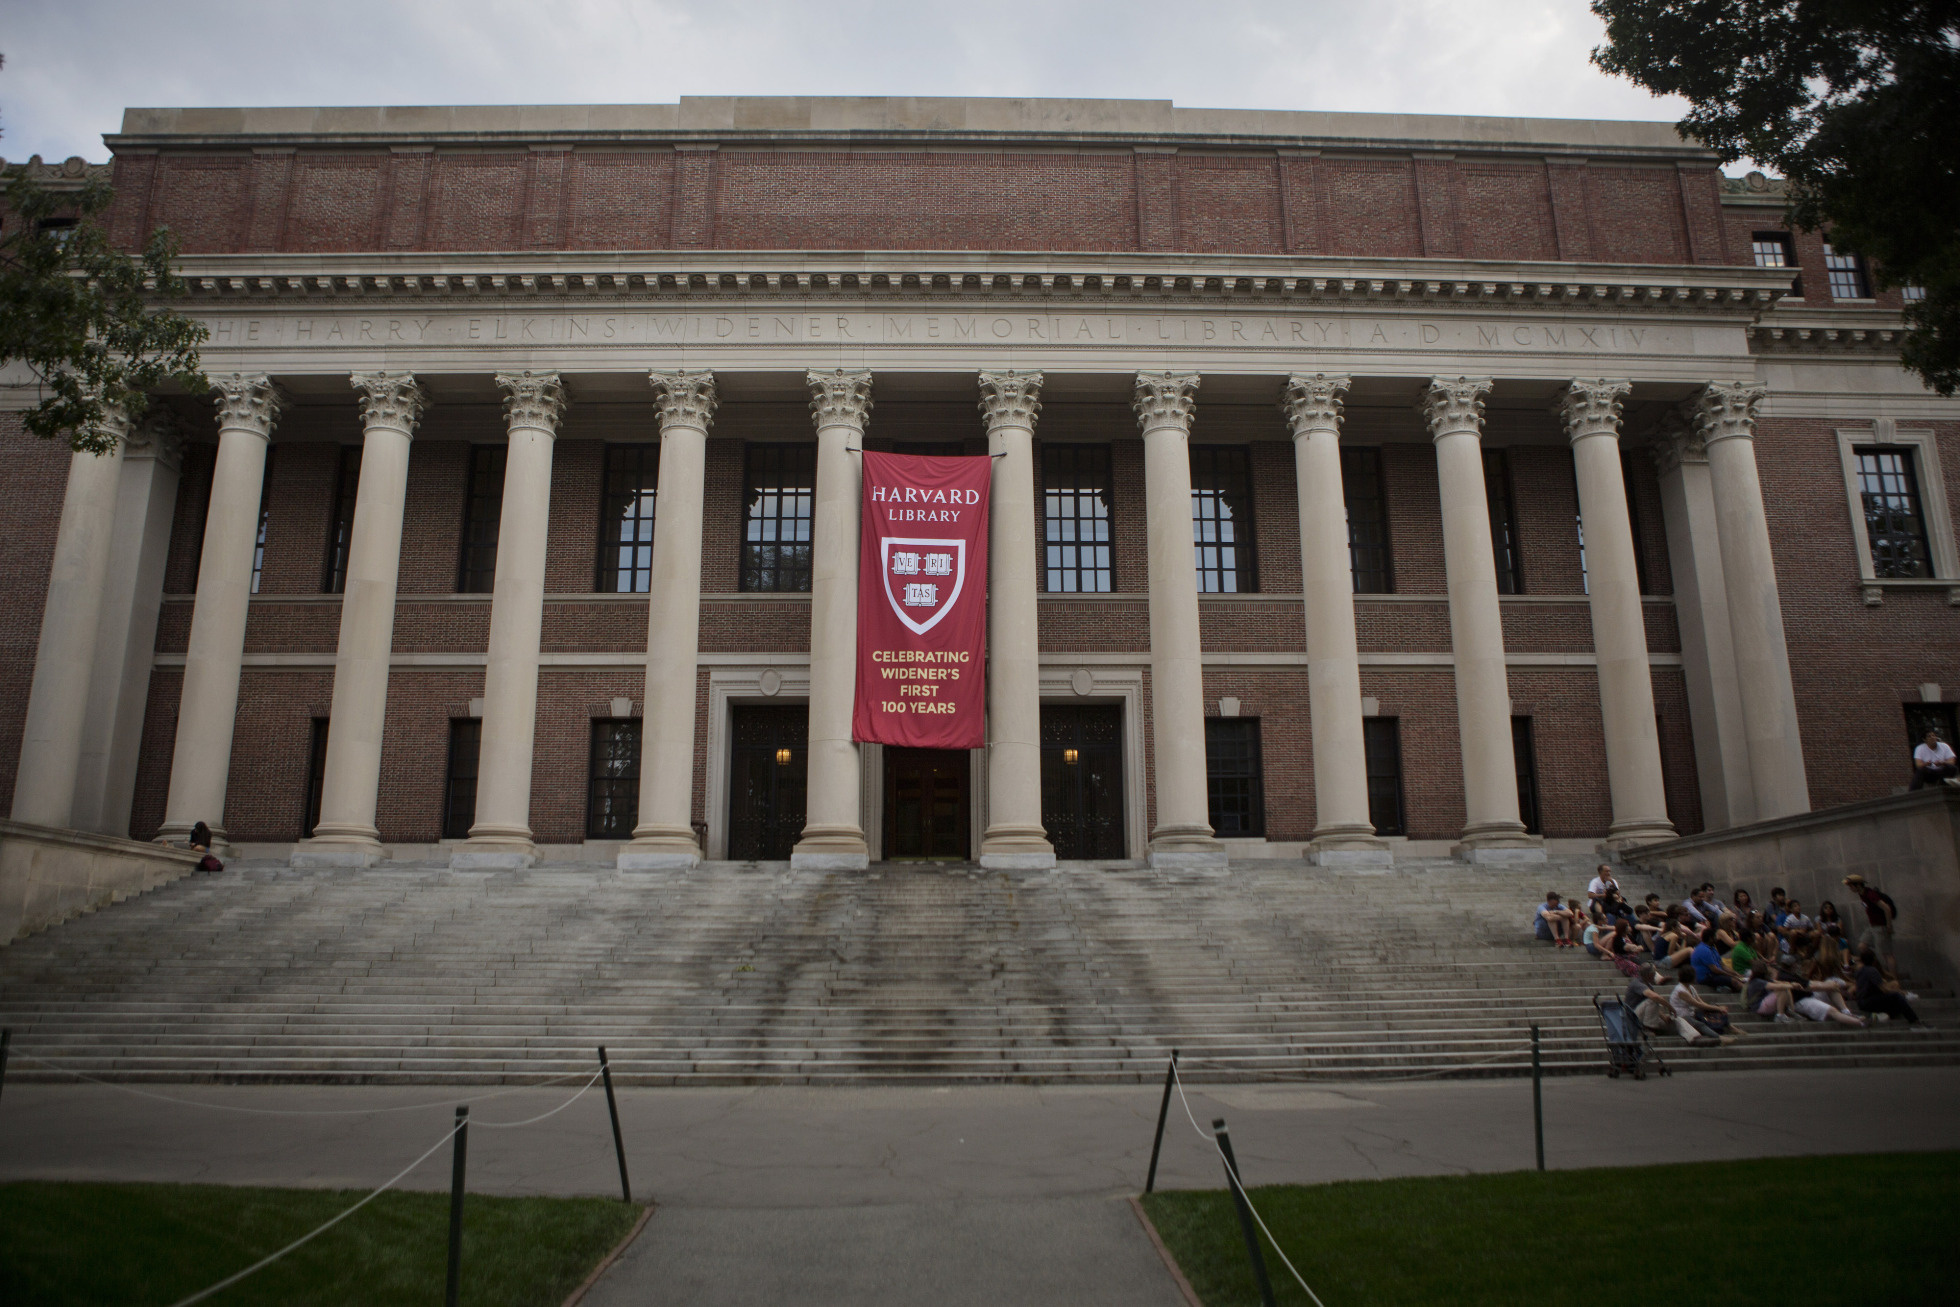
(756, 974)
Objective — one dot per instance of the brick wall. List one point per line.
(37, 478)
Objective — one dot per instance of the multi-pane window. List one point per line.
(1773, 249)
(1847, 274)
(612, 805)
(459, 784)
(316, 776)
(777, 517)
(1221, 519)
(340, 534)
(1525, 753)
(1381, 739)
(1503, 523)
(1895, 521)
(1232, 776)
(258, 543)
(626, 522)
(476, 572)
(1075, 517)
(1911, 293)
(1367, 521)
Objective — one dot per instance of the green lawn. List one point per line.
(1846, 1231)
(136, 1244)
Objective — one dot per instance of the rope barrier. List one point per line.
(293, 1111)
(533, 1120)
(1290, 1077)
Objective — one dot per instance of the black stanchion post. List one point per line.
(7, 1037)
(1537, 1098)
(619, 1147)
(461, 1150)
(1163, 1109)
(1236, 1183)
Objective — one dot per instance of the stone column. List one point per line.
(1492, 832)
(1015, 837)
(833, 836)
(200, 765)
(125, 640)
(57, 701)
(664, 836)
(391, 406)
(1725, 418)
(501, 835)
(1701, 606)
(1343, 835)
(1590, 411)
(1165, 403)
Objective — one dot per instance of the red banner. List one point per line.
(922, 602)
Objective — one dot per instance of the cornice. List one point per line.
(1811, 331)
(817, 277)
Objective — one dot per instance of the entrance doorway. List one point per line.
(769, 764)
(927, 814)
(1082, 780)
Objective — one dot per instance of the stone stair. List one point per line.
(754, 974)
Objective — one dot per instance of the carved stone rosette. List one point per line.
(685, 398)
(840, 398)
(1453, 405)
(391, 400)
(1726, 410)
(532, 399)
(1010, 399)
(1313, 403)
(248, 401)
(1592, 408)
(1166, 399)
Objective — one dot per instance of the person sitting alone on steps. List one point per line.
(201, 843)
(1933, 761)
(1551, 922)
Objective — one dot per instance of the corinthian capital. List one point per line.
(684, 398)
(1312, 403)
(1591, 408)
(532, 399)
(248, 401)
(1452, 405)
(840, 398)
(1010, 399)
(1166, 399)
(157, 434)
(1726, 410)
(1676, 441)
(391, 400)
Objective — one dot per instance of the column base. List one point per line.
(660, 848)
(1349, 846)
(1185, 846)
(830, 848)
(348, 847)
(1498, 844)
(494, 848)
(1623, 835)
(1016, 848)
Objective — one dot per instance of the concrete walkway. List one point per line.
(1003, 1193)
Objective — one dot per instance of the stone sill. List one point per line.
(1873, 588)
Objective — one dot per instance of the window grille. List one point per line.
(1381, 739)
(613, 779)
(626, 522)
(340, 536)
(1847, 274)
(1221, 519)
(1503, 523)
(1773, 249)
(1233, 777)
(258, 543)
(778, 517)
(459, 786)
(1895, 521)
(476, 573)
(1367, 521)
(1076, 521)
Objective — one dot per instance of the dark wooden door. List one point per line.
(768, 779)
(1082, 780)
(926, 809)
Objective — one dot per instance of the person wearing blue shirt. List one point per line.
(1709, 967)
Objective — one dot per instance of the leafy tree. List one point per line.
(80, 314)
(1854, 101)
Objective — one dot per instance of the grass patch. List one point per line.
(141, 1244)
(1837, 1230)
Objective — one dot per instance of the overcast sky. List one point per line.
(72, 66)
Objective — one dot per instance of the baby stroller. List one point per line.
(1627, 1045)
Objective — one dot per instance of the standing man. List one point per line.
(1933, 760)
(1880, 913)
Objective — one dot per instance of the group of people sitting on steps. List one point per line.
(1786, 964)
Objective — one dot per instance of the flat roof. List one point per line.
(892, 116)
